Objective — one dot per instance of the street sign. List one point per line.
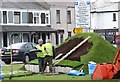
(77, 30)
(82, 13)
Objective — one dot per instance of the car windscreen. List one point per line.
(16, 46)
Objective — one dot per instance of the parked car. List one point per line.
(20, 52)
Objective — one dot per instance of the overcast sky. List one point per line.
(110, 0)
(50, 0)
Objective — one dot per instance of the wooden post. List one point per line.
(81, 43)
(58, 56)
(11, 62)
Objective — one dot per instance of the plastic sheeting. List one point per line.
(76, 73)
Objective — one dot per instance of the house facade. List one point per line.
(62, 19)
(105, 18)
(24, 22)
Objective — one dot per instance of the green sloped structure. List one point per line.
(101, 51)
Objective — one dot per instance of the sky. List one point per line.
(51, 0)
(110, 0)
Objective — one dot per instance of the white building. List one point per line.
(62, 19)
(105, 18)
(23, 22)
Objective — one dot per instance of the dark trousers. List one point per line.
(41, 65)
(48, 59)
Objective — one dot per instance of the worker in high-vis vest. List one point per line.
(49, 52)
(40, 56)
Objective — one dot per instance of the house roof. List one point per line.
(59, 3)
(22, 5)
(12, 28)
(104, 5)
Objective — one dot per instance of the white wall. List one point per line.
(63, 19)
(102, 16)
(104, 20)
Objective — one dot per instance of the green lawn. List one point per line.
(52, 77)
(16, 67)
(32, 76)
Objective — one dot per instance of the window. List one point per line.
(10, 17)
(58, 16)
(26, 46)
(24, 17)
(47, 18)
(34, 38)
(57, 39)
(5, 17)
(42, 18)
(69, 34)
(36, 18)
(17, 18)
(114, 16)
(25, 37)
(5, 39)
(30, 17)
(29, 46)
(68, 17)
(15, 38)
(61, 38)
(0, 17)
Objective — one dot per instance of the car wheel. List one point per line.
(27, 59)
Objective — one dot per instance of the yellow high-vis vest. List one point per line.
(40, 54)
(49, 49)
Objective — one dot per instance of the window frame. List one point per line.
(36, 16)
(114, 17)
(58, 17)
(17, 13)
(69, 17)
(5, 18)
(12, 18)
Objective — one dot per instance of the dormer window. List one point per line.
(42, 18)
(0, 17)
(23, 17)
(36, 18)
(5, 17)
(10, 16)
(30, 17)
(47, 19)
(17, 18)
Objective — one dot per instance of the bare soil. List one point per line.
(75, 56)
